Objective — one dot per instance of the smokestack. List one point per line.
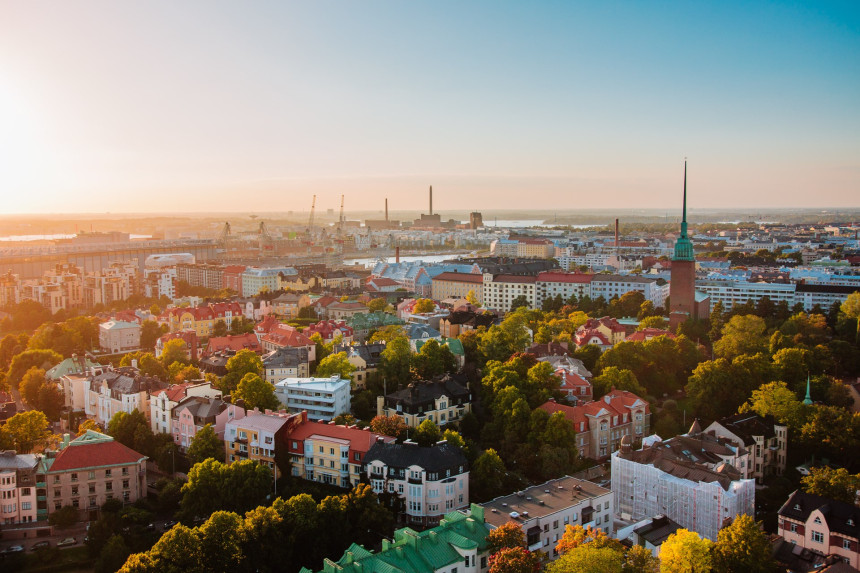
(431, 199)
(616, 234)
(397, 254)
(386, 209)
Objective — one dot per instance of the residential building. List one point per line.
(501, 290)
(232, 278)
(90, 470)
(576, 387)
(123, 389)
(650, 533)
(283, 336)
(364, 357)
(458, 543)
(443, 401)
(74, 365)
(554, 283)
(344, 310)
(460, 321)
(656, 481)
(118, 336)
(330, 453)
(601, 425)
(764, 438)
(162, 402)
(821, 525)
(254, 280)
(432, 481)
(362, 324)
(458, 285)
(544, 511)
(201, 275)
(288, 304)
(192, 413)
(610, 329)
(329, 330)
(17, 487)
(200, 319)
(233, 342)
(258, 436)
(286, 362)
(322, 398)
(609, 286)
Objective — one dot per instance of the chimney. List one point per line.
(397, 254)
(386, 209)
(431, 199)
(616, 235)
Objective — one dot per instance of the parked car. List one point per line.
(40, 545)
(168, 525)
(13, 549)
(67, 542)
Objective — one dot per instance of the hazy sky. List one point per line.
(227, 105)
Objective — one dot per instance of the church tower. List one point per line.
(682, 288)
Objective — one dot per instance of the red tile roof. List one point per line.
(359, 440)
(237, 342)
(286, 335)
(175, 392)
(616, 403)
(571, 379)
(96, 454)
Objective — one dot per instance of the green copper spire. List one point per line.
(683, 246)
(808, 399)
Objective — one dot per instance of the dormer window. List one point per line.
(796, 507)
(850, 522)
(817, 520)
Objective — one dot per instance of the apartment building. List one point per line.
(329, 330)
(119, 390)
(17, 487)
(365, 359)
(432, 481)
(282, 336)
(192, 413)
(553, 283)
(90, 470)
(254, 280)
(286, 362)
(460, 321)
(163, 401)
(544, 511)
(737, 292)
(766, 440)
(608, 286)
(201, 275)
(119, 336)
(330, 453)
(601, 425)
(443, 401)
(821, 525)
(322, 398)
(655, 480)
(458, 285)
(258, 436)
(189, 337)
(501, 290)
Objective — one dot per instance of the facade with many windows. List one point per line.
(442, 401)
(322, 398)
(258, 436)
(431, 481)
(824, 526)
(17, 487)
(501, 290)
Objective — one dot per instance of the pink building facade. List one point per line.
(17, 487)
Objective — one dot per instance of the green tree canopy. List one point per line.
(204, 445)
(743, 334)
(24, 431)
(515, 560)
(427, 433)
(613, 377)
(393, 426)
(22, 362)
(257, 393)
(832, 483)
(335, 364)
(685, 552)
(742, 546)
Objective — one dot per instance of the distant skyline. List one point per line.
(252, 107)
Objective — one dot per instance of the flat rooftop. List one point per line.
(541, 500)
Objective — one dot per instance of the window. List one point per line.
(125, 471)
(74, 477)
(28, 505)
(846, 543)
(817, 537)
(91, 475)
(555, 524)
(107, 473)
(794, 528)
(108, 487)
(125, 484)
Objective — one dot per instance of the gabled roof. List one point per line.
(841, 517)
(92, 450)
(236, 342)
(440, 456)
(648, 334)
(286, 335)
(359, 440)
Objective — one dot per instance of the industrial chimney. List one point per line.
(616, 235)
(386, 209)
(431, 199)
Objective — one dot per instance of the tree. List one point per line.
(128, 428)
(742, 546)
(32, 381)
(22, 362)
(257, 393)
(775, 399)
(613, 377)
(487, 478)
(113, 555)
(508, 535)
(25, 430)
(242, 363)
(515, 560)
(219, 328)
(832, 483)
(520, 301)
(472, 299)
(427, 433)
(335, 364)
(433, 359)
(685, 552)
(204, 445)
(745, 334)
(393, 426)
(423, 305)
(575, 536)
(213, 485)
(640, 560)
(387, 333)
(377, 305)
(64, 517)
(88, 424)
(174, 351)
(150, 332)
(653, 322)
(395, 362)
(589, 558)
(186, 373)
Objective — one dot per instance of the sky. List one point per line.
(165, 106)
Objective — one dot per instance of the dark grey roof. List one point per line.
(426, 392)
(203, 409)
(126, 380)
(441, 456)
(748, 425)
(287, 356)
(836, 513)
(656, 532)
(370, 353)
